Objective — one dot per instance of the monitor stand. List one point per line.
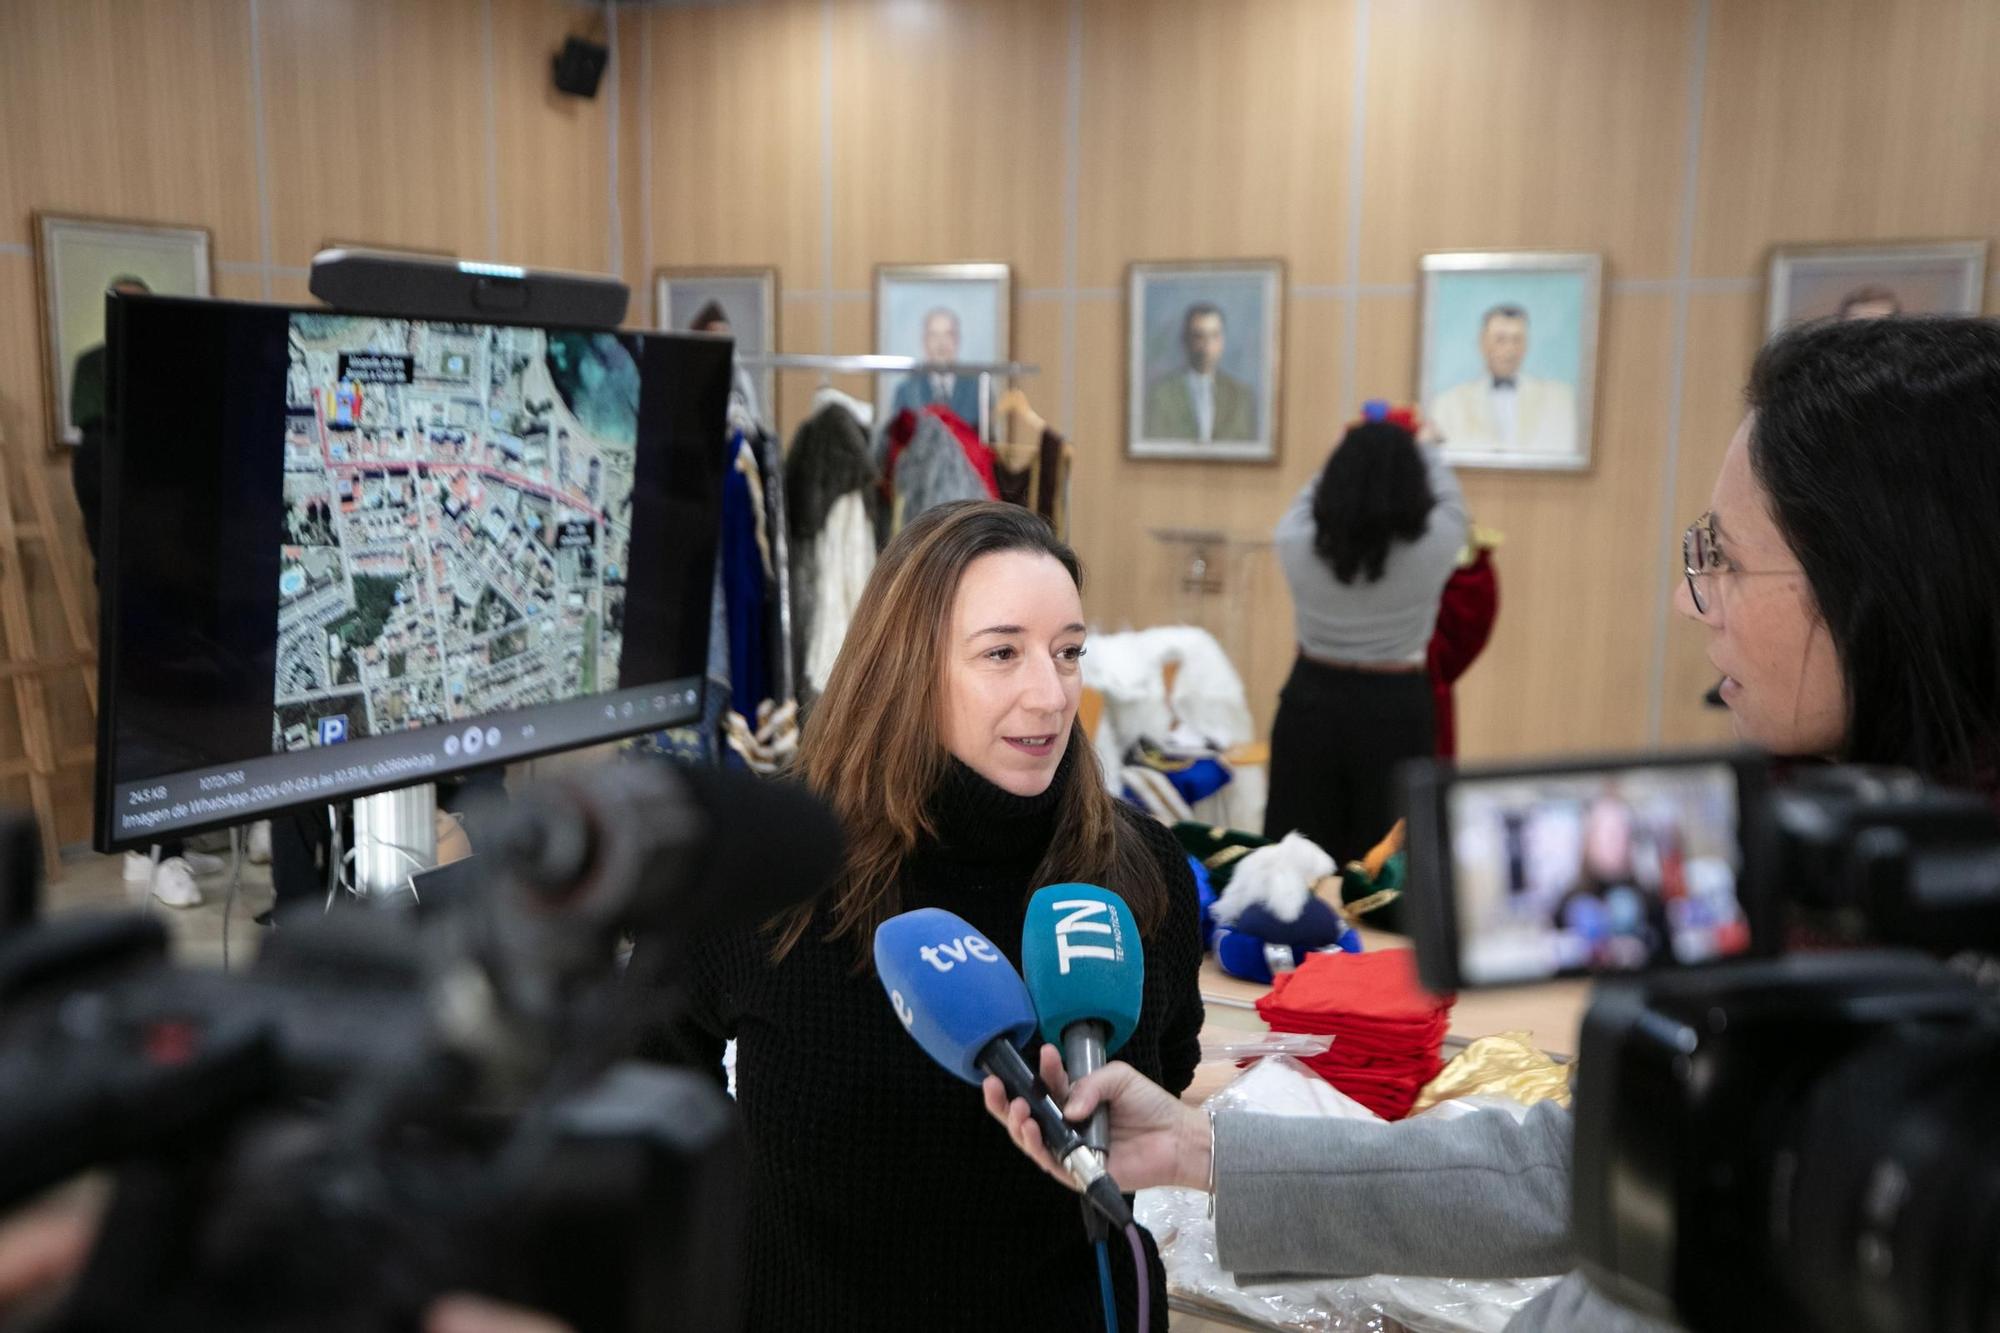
(395, 837)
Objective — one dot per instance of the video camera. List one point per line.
(394, 1104)
(1775, 1126)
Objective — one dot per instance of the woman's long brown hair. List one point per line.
(872, 746)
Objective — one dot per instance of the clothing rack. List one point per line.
(901, 365)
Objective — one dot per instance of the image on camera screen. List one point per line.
(1610, 871)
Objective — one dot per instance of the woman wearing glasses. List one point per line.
(1847, 577)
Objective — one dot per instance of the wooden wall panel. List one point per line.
(799, 333)
(129, 110)
(240, 285)
(375, 124)
(736, 93)
(1544, 124)
(947, 136)
(1038, 340)
(552, 150)
(287, 287)
(290, 289)
(1111, 500)
(1215, 128)
(633, 60)
(1846, 120)
(853, 331)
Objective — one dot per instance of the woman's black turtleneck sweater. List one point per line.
(882, 1196)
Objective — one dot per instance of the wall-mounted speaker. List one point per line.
(579, 66)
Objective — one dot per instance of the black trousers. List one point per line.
(300, 845)
(1335, 744)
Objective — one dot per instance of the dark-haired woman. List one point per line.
(1366, 548)
(1843, 578)
(947, 742)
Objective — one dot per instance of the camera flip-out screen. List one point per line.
(1523, 875)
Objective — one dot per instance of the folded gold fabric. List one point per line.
(1504, 1065)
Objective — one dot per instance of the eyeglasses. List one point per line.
(1701, 556)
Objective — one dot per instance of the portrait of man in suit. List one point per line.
(1203, 351)
(1201, 401)
(1874, 281)
(1505, 409)
(941, 340)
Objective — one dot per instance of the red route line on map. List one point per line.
(403, 464)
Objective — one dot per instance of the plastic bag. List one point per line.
(1179, 1221)
(1298, 1045)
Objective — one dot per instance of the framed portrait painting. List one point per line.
(1859, 281)
(77, 260)
(741, 302)
(1508, 356)
(1204, 343)
(941, 313)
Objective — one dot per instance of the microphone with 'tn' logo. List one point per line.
(1086, 972)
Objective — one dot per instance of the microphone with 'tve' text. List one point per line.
(964, 1003)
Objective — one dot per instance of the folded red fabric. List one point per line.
(1401, 1033)
(1380, 986)
(1386, 1029)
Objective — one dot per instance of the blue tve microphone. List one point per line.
(957, 994)
(1086, 972)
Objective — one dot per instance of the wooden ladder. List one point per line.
(24, 667)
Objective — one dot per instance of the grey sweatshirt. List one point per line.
(1391, 619)
(1477, 1197)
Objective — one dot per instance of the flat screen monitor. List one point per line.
(346, 553)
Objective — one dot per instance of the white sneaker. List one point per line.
(259, 853)
(173, 883)
(202, 863)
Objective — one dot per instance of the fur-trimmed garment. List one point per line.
(941, 465)
(831, 498)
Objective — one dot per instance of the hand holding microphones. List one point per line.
(962, 1001)
(1155, 1138)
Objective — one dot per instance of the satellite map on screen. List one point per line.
(457, 510)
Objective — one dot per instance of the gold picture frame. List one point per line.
(77, 258)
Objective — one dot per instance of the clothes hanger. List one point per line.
(1014, 403)
(1019, 454)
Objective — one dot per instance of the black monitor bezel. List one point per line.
(703, 413)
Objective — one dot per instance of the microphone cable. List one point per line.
(1104, 1287)
(1142, 1278)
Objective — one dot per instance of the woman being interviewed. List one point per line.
(946, 741)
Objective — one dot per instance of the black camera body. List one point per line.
(396, 1104)
(1798, 1136)
(303, 1148)
(1791, 1143)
